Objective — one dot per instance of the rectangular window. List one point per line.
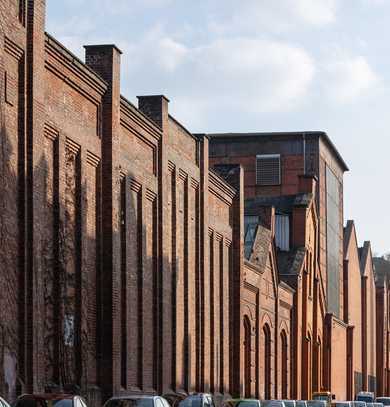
(333, 222)
(282, 232)
(268, 169)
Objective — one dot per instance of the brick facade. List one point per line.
(123, 251)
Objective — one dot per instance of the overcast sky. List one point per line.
(260, 65)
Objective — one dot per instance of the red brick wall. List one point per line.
(120, 241)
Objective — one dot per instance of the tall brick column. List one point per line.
(35, 183)
(105, 61)
(155, 107)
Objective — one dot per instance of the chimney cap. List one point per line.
(153, 96)
(103, 46)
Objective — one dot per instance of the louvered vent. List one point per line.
(268, 169)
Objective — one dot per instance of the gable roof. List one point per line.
(364, 256)
(382, 271)
(349, 232)
(291, 262)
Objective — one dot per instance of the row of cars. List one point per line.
(363, 399)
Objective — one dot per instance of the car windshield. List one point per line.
(131, 402)
(367, 399)
(191, 402)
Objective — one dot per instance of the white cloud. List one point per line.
(261, 16)
(347, 78)
(242, 75)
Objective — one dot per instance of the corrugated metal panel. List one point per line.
(282, 232)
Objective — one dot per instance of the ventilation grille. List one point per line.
(268, 169)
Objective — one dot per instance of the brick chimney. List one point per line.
(155, 107)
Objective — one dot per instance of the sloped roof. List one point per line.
(382, 271)
(290, 263)
(364, 253)
(257, 247)
(282, 204)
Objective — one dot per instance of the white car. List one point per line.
(3, 403)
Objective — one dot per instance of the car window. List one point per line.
(30, 403)
(247, 403)
(62, 403)
(192, 402)
(133, 402)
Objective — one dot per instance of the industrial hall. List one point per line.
(136, 256)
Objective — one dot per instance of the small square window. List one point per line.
(268, 169)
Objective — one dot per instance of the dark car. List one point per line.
(174, 398)
(384, 400)
(50, 400)
(198, 400)
(137, 400)
(241, 403)
(3, 403)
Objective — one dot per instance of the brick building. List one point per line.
(382, 273)
(334, 310)
(130, 264)
(119, 241)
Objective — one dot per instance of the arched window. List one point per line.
(284, 364)
(267, 362)
(247, 357)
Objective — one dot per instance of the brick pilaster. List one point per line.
(35, 183)
(105, 61)
(155, 107)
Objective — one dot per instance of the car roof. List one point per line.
(47, 396)
(134, 396)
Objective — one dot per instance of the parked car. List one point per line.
(289, 403)
(366, 396)
(326, 396)
(384, 400)
(241, 403)
(137, 400)
(198, 400)
(358, 403)
(3, 403)
(376, 404)
(341, 404)
(317, 403)
(50, 400)
(272, 403)
(302, 403)
(174, 398)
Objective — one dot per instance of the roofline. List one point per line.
(320, 134)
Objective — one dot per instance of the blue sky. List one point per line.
(260, 65)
